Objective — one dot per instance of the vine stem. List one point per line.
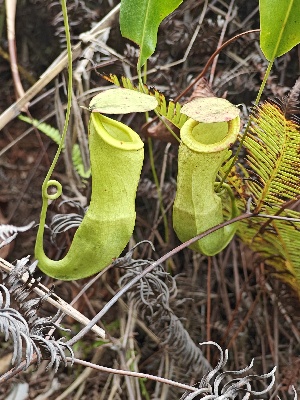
(47, 182)
(69, 95)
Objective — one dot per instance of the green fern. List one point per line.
(169, 110)
(54, 134)
(272, 181)
(273, 155)
(48, 130)
(78, 163)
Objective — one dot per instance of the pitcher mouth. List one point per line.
(216, 136)
(116, 133)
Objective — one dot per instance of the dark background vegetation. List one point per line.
(233, 298)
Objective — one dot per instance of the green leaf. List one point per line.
(210, 109)
(139, 22)
(122, 101)
(280, 26)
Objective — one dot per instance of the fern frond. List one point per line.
(14, 326)
(273, 154)
(9, 232)
(28, 332)
(47, 129)
(277, 244)
(271, 180)
(63, 222)
(212, 387)
(78, 163)
(168, 109)
(151, 297)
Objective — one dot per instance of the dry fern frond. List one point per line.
(63, 222)
(29, 333)
(210, 386)
(9, 232)
(151, 297)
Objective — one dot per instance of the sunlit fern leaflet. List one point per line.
(274, 148)
(78, 162)
(272, 179)
(167, 109)
(47, 129)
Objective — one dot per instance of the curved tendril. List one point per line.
(55, 195)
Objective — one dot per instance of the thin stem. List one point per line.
(130, 373)
(211, 59)
(167, 126)
(208, 312)
(262, 86)
(152, 163)
(159, 194)
(291, 204)
(139, 73)
(47, 182)
(69, 98)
